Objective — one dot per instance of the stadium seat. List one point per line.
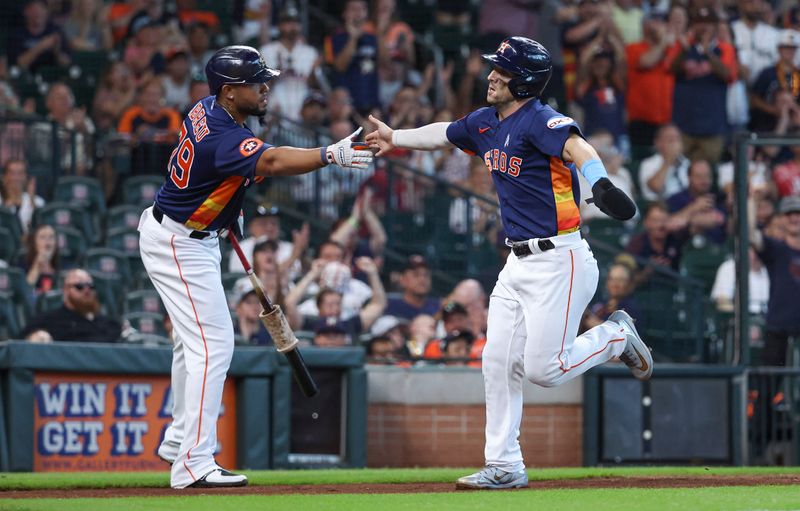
(126, 240)
(13, 282)
(10, 246)
(10, 221)
(49, 300)
(110, 292)
(124, 215)
(702, 262)
(71, 244)
(81, 191)
(141, 190)
(10, 322)
(606, 230)
(144, 300)
(147, 323)
(109, 262)
(62, 214)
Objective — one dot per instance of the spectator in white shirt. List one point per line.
(296, 61)
(666, 172)
(725, 285)
(176, 80)
(756, 42)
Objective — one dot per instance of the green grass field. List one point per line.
(623, 499)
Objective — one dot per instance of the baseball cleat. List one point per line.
(493, 478)
(220, 478)
(168, 451)
(636, 354)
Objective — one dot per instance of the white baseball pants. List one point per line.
(186, 273)
(534, 313)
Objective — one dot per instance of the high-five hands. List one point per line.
(380, 140)
(349, 153)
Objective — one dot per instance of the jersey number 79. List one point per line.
(183, 156)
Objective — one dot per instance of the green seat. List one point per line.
(141, 190)
(110, 291)
(126, 240)
(606, 230)
(71, 244)
(229, 279)
(144, 300)
(81, 191)
(10, 322)
(147, 323)
(702, 262)
(13, 281)
(124, 215)
(10, 246)
(49, 300)
(62, 214)
(110, 262)
(10, 221)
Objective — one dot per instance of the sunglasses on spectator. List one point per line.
(80, 286)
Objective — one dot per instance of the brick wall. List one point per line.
(452, 436)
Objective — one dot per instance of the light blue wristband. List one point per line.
(593, 170)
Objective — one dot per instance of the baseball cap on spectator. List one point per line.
(415, 261)
(456, 335)
(242, 289)
(704, 15)
(290, 12)
(141, 21)
(790, 204)
(789, 38)
(315, 98)
(451, 309)
(383, 325)
(175, 54)
(329, 325)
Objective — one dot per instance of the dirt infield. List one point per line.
(333, 489)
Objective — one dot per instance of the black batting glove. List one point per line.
(611, 200)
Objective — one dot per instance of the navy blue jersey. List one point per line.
(539, 193)
(209, 171)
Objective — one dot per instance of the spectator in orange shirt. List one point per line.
(650, 82)
(148, 120)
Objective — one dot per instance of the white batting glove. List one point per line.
(348, 153)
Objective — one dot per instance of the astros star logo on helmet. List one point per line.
(503, 46)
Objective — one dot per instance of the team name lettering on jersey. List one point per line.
(496, 159)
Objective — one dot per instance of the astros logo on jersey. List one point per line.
(250, 146)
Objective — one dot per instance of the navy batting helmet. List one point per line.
(237, 64)
(528, 61)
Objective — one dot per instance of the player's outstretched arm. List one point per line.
(428, 137)
(608, 198)
(291, 161)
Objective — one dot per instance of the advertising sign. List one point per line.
(112, 422)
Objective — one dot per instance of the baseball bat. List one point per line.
(278, 328)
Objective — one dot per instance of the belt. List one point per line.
(159, 216)
(522, 248)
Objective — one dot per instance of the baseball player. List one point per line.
(533, 153)
(216, 160)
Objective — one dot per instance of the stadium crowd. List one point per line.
(96, 91)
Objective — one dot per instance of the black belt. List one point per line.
(198, 235)
(522, 249)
